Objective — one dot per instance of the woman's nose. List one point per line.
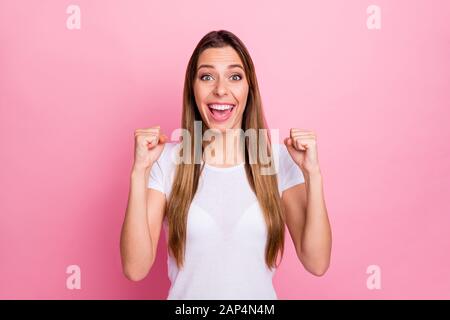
(220, 88)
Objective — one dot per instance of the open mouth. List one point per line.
(221, 112)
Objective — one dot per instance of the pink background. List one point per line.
(377, 99)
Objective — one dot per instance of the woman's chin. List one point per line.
(220, 127)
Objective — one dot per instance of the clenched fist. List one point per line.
(149, 143)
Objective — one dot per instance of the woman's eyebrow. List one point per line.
(211, 66)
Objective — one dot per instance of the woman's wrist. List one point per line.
(138, 171)
(313, 174)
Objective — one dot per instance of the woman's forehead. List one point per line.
(219, 57)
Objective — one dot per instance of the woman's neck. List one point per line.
(225, 149)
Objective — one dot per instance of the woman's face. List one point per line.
(221, 88)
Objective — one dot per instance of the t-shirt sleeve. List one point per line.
(290, 173)
(162, 172)
(156, 177)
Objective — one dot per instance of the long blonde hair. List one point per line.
(187, 175)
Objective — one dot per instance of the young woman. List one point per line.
(224, 220)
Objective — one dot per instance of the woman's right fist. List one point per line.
(149, 143)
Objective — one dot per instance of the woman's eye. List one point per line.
(205, 75)
(237, 75)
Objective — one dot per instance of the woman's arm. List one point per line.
(306, 213)
(308, 223)
(141, 227)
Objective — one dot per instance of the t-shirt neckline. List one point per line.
(232, 168)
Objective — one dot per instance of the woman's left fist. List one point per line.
(302, 147)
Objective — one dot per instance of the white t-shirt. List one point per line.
(226, 231)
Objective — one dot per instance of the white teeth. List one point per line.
(220, 106)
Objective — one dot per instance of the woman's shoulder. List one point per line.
(168, 156)
(280, 153)
(162, 172)
(279, 146)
